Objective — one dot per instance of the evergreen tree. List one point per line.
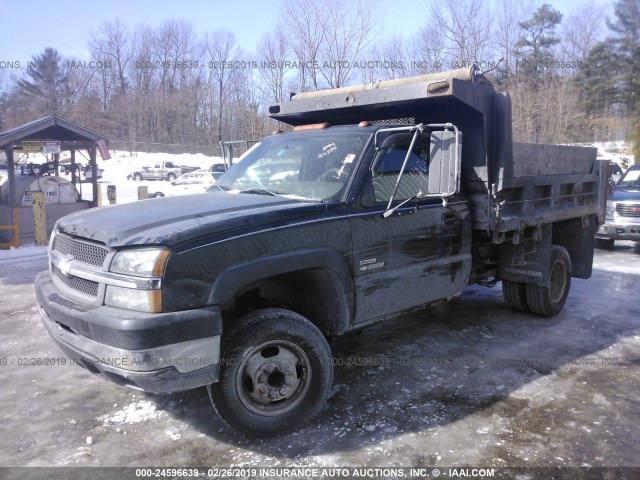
(626, 40)
(596, 78)
(536, 41)
(44, 93)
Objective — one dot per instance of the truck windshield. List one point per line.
(630, 179)
(305, 165)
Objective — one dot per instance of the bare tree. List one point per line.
(385, 60)
(273, 64)
(172, 49)
(508, 14)
(221, 53)
(582, 29)
(429, 51)
(347, 32)
(464, 28)
(111, 43)
(306, 24)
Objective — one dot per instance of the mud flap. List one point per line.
(528, 261)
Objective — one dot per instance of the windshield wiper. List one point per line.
(259, 191)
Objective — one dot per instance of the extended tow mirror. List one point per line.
(446, 158)
(444, 166)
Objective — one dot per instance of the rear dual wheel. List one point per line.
(547, 301)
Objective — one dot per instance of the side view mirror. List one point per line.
(446, 159)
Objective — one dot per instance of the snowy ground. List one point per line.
(121, 164)
(468, 383)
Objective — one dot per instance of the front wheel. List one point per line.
(549, 300)
(276, 373)
(137, 177)
(171, 177)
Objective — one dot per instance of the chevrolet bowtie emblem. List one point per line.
(65, 266)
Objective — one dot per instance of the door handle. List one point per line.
(450, 219)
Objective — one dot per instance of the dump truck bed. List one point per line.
(542, 184)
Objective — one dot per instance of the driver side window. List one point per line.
(387, 169)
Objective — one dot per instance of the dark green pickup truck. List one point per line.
(383, 199)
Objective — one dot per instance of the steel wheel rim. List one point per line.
(273, 378)
(557, 283)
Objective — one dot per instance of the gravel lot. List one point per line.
(468, 383)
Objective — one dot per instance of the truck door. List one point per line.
(155, 171)
(419, 253)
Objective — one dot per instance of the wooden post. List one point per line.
(94, 173)
(143, 192)
(111, 194)
(12, 176)
(99, 197)
(15, 235)
(39, 219)
(73, 167)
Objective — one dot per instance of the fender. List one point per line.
(235, 278)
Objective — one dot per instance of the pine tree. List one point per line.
(537, 39)
(626, 40)
(44, 93)
(596, 78)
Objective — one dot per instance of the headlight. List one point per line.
(132, 299)
(611, 208)
(143, 262)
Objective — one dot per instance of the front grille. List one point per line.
(628, 209)
(84, 252)
(86, 287)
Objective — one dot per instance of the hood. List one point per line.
(172, 220)
(630, 193)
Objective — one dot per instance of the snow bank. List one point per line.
(21, 252)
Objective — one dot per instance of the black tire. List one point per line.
(137, 177)
(157, 195)
(515, 295)
(549, 300)
(171, 177)
(605, 243)
(276, 373)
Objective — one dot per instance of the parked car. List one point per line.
(195, 182)
(217, 169)
(622, 220)
(160, 171)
